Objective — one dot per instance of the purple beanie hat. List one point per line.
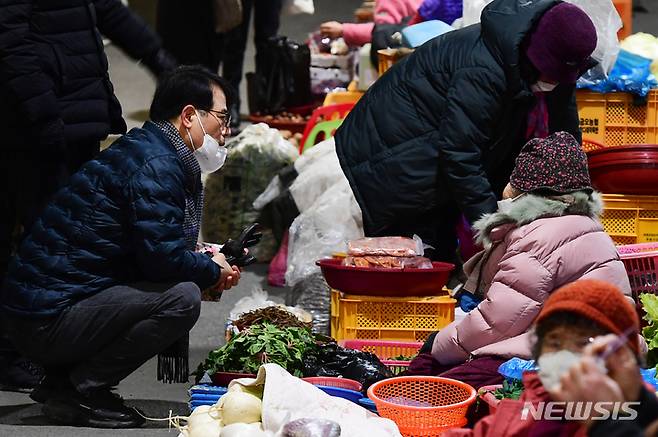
(561, 43)
(557, 163)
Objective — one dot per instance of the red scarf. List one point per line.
(538, 119)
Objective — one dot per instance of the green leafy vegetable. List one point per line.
(650, 332)
(261, 344)
(403, 358)
(509, 391)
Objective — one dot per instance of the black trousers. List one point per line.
(188, 33)
(28, 179)
(102, 339)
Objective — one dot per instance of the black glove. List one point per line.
(234, 250)
(160, 62)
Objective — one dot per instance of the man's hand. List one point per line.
(332, 29)
(229, 277)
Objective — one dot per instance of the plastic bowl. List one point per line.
(336, 392)
(625, 169)
(328, 381)
(379, 281)
(423, 405)
(222, 379)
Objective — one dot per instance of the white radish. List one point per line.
(243, 430)
(204, 422)
(239, 407)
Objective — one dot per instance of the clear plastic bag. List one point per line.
(322, 229)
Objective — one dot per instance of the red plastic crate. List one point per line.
(641, 261)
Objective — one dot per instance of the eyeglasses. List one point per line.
(223, 117)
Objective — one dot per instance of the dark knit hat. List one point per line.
(556, 163)
(599, 301)
(561, 43)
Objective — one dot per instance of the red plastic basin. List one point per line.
(385, 282)
(625, 169)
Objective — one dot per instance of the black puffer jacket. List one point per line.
(445, 124)
(54, 82)
(119, 220)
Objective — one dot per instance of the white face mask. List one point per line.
(210, 156)
(555, 364)
(506, 205)
(542, 87)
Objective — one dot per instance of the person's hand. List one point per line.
(332, 29)
(230, 275)
(622, 366)
(587, 381)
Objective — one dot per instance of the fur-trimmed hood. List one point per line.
(530, 207)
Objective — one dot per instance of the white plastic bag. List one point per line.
(261, 139)
(294, 7)
(318, 169)
(607, 21)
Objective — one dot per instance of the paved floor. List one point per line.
(19, 416)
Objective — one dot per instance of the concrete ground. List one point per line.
(19, 416)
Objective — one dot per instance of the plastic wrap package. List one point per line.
(255, 157)
(322, 229)
(386, 246)
(643, 44)
(603, 14)
(389, 262)
(313, 294)
(631, 73)
(514, 368)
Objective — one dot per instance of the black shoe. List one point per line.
(20, 375)
(101, 409)
(51, 387)
(234, 111)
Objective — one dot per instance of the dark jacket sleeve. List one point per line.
(131, 34)
(157, 210)
(473, 100)
(646, 414)
(23, 79)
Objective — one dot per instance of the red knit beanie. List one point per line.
(598, 301)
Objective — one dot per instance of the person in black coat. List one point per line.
(57, 105)
(108, 276)
(437, 135)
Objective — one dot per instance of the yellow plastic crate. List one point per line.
(389, 318)
(630, 219)
(613, 120)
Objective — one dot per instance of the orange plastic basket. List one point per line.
(423, 406)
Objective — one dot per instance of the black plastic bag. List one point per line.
(382, 38)
(282, 79)
(336, 361)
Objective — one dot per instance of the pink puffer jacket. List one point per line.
(535, 247)
(386, 12)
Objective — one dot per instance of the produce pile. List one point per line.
(239, 414)
(387, 252)
(260, 344)
(274, 335)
